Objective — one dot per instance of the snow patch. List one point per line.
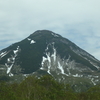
(48, 58)
(8, 68)
(54, 54)
(46, 49)
(97, 80)
(13, 58)
(2, 68)
(11, 75)
(49, 69)
(11, 61)
(92, 80)
(94, 65)
(3, 54)
(52, 62)
(61, 68)
(16, 51)
(32, 41)
(28, 39)
(8, 59)
(96, 76)
(49, 62)
(26, 75)
(43, 60)
(55, 35)
(77, 75)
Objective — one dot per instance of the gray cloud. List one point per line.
(77, 20)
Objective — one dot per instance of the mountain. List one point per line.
(45, 52)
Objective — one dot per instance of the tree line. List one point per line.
(44, 88)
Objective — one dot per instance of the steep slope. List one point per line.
(45, 52)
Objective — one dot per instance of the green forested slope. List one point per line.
(45, 88)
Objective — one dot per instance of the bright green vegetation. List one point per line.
(44, 88)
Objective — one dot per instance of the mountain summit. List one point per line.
(45, 52)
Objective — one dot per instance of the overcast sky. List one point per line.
(77, 20)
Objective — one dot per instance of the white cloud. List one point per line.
(77, 20)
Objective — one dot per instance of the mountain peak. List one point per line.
(41, 31)
(44, 33)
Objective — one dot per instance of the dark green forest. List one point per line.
(44, 88)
